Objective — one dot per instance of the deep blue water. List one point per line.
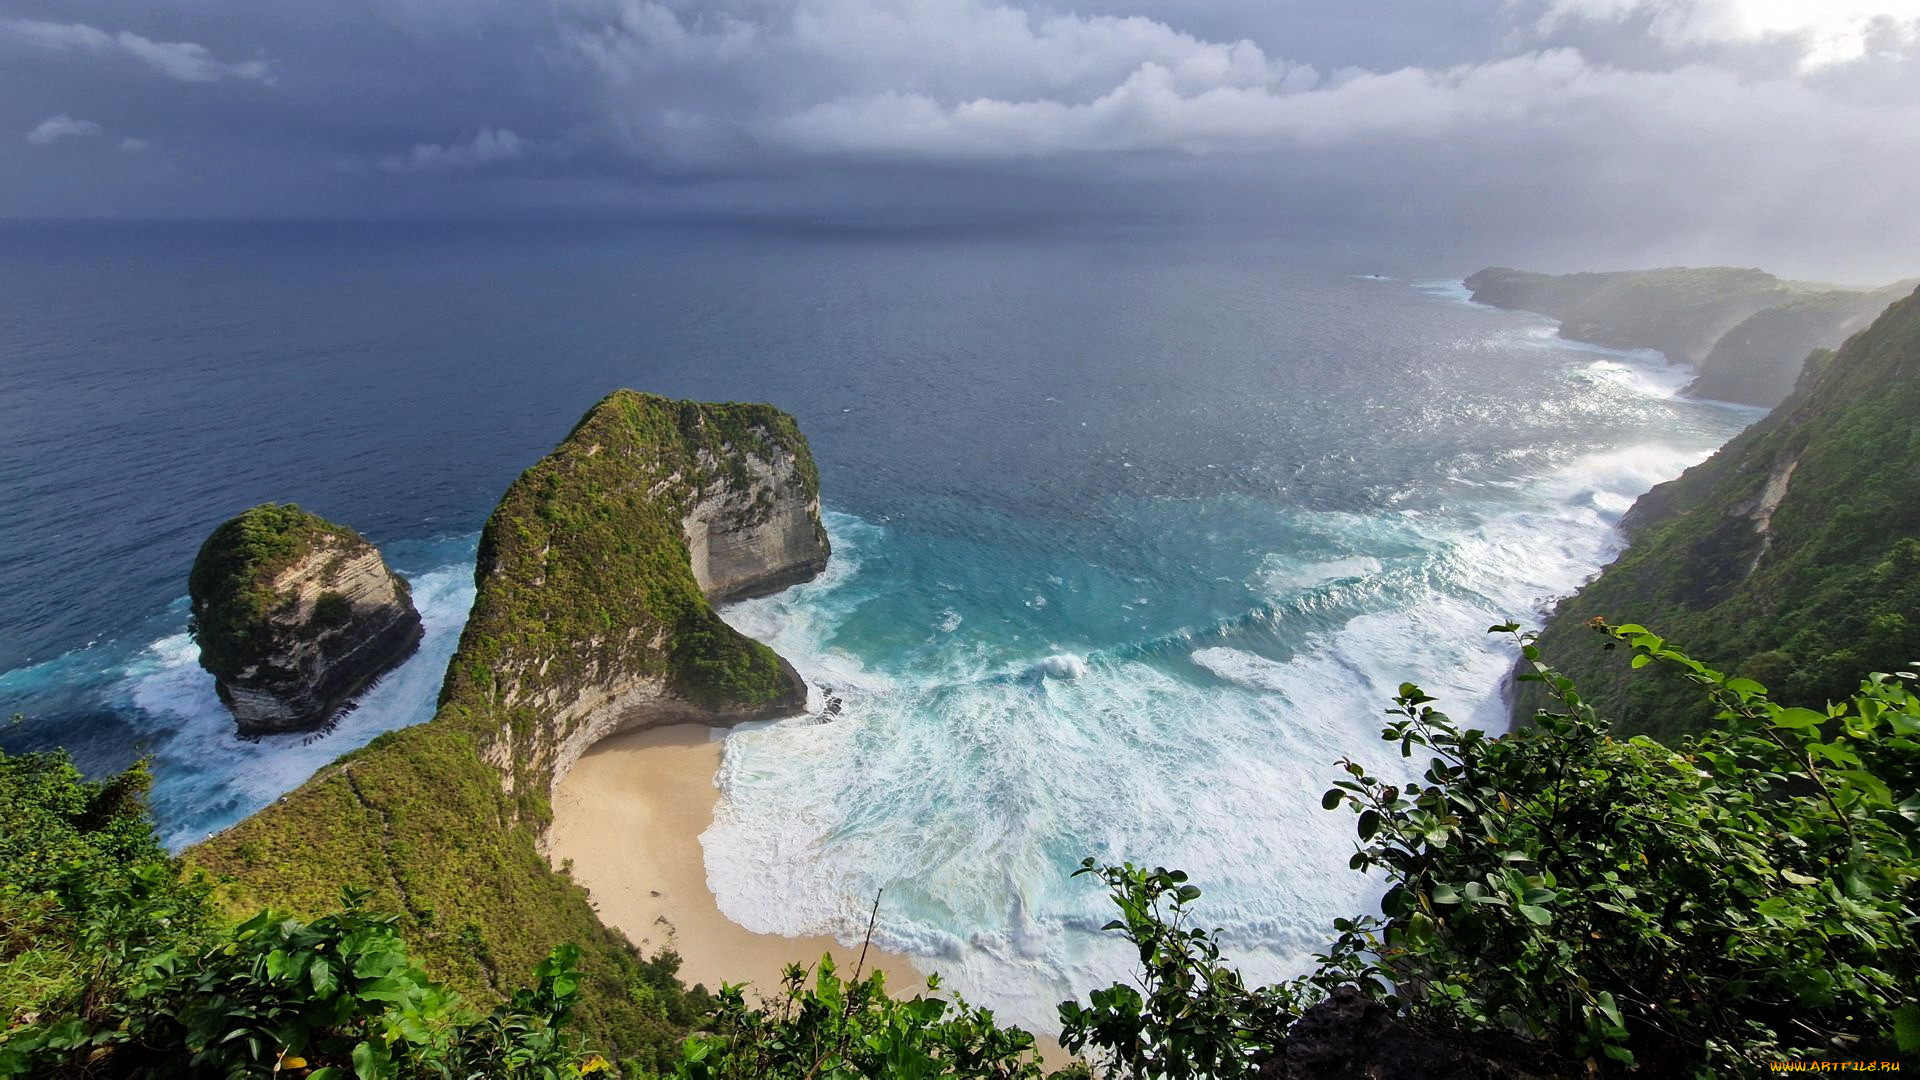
(1135, 530)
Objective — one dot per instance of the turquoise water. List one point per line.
(1134, 535)
(1003, 713)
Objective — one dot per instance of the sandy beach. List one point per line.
(630, 816)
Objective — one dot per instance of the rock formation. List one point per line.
(593, 614)
(1681, 312)
(295, 616)
(1758, 361)
(1745, 332)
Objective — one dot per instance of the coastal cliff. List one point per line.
(1791, 556)
(592, 616)
(1759, 360)
(1743, 331)
(295, 615)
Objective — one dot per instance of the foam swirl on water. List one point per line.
(969, 789)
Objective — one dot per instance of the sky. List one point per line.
(1784, 132)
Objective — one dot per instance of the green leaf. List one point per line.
(1798, 719)
(1604, 1000)
(1331, 799)
(1538, 916)
(366, 1061)
(1369, 824)
(1869, 785)
(1906, 1028)
(322, 976)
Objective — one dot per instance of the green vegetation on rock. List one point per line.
(231, 582)
(584, 586)
(1791, 556)
(1759, 361)
(1681, 311)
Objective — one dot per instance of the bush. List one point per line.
(113, 965)
(851, 1028)
(1742, 897)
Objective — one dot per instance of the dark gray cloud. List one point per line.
(1731, 130)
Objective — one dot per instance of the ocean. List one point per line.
(1136, 531)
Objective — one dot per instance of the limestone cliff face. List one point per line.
(295, 616)
(598, 572)
(596, 577)
(757, 538)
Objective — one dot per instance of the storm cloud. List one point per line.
(1722, 130)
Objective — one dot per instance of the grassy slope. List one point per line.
(581, 570)
(1836, 591)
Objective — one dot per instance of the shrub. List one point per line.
(113, 965)
(1741, 897)
(851, 1028)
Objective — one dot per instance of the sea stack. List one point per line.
(595, 581)
(295, 616)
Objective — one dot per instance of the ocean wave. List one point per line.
(1059, 666)
(1454, 289)
(205, 777)
(967, 793)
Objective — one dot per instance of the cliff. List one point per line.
(1744, 331)
(592, 615)
(295, 615)
(1792, 556)
(1758, 361)
(1680, 311)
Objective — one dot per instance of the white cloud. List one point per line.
(182, 60)
(55, 128)
(134, 146)
(489, 147)
(1155, 109)
(1828, 32)
(986, 79)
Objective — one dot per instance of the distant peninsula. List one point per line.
(594, 614)
(1744, 332)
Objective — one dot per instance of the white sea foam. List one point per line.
(968, 793)
(1454, 289)
(1282, 574)
(205, 778)
(1059, 666)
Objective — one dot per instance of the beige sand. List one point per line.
(630, 816)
